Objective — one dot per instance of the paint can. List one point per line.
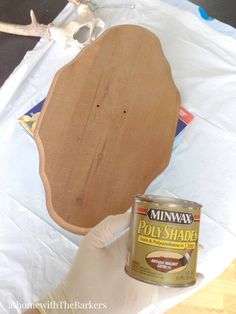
(163, 243)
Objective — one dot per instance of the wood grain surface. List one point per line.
(107, 127)
(219, 296)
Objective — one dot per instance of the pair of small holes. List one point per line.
(123, 111)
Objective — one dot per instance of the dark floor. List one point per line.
(222, 10)
(13, 48)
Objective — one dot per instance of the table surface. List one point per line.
(220, 295)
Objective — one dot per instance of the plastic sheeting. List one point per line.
(217, 25)
(35, 252)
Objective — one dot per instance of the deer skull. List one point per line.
(77, 33)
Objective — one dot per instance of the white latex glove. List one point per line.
(97, 274)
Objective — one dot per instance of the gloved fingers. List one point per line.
(103, 233)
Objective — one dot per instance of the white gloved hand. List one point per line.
(97, 275)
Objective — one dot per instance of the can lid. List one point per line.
(171, 202)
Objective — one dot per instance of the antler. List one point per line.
(65, 35)
(33, 29)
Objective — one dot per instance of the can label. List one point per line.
(163, 243)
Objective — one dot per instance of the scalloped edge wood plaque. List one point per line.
(107, 127)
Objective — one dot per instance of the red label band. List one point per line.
(141, 210)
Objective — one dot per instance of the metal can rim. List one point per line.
(166, 200)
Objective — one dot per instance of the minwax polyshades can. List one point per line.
(163, 244)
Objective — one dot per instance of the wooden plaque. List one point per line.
(107, 127)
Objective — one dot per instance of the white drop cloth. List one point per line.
(35, 252)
